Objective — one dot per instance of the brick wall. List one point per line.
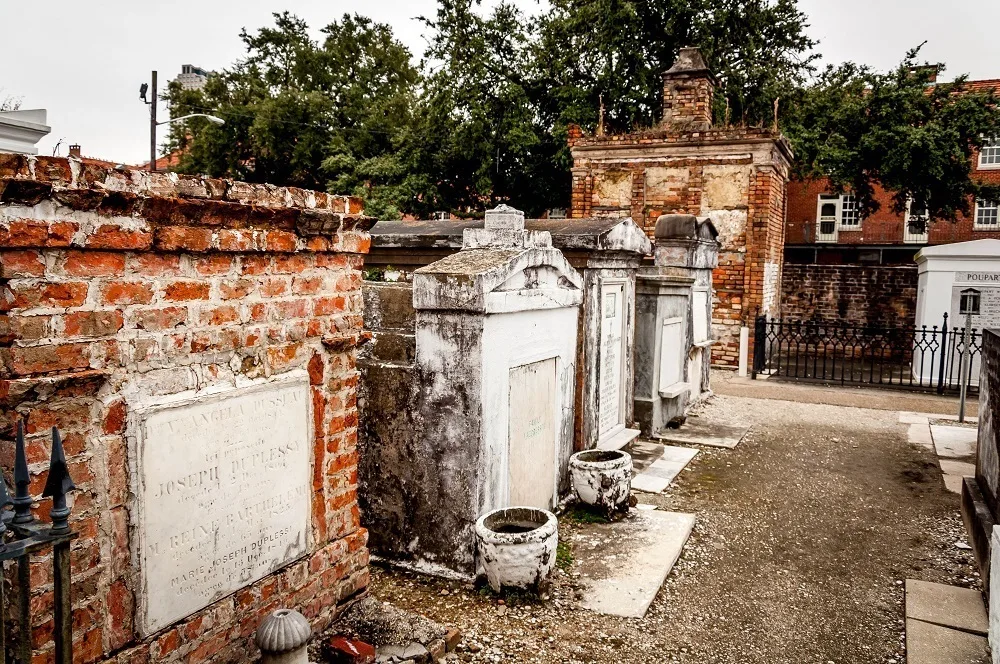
(859, 294)
(734, 175)
(115, 281)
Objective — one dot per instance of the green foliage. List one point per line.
(330, 115)
(479, 126)
(617, 50)
(582, 513)
(484, 119)
(864, 129)
(564, 556)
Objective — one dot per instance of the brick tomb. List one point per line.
(194, 342)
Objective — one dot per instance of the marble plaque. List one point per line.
(222, 494)
(610, 411)
(989, 305)
(671, 344)
(532, 435)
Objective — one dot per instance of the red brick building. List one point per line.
(734, 175)
(842, 266)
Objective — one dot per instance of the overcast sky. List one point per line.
(84, 61)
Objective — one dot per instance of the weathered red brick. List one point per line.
(113, 236)
(179, 291)
(183, 238)
(21, 264)
(93, 323)
(94, 264)
(126, 292)
(155, 320)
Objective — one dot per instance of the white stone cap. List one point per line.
(985, 248)
(502, 229)
(504, 218)
(21, 130)
(284, 630)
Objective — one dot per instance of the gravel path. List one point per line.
(805, 533)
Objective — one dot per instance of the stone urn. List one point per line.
(283, 638)
(517, 547)
(602, 478)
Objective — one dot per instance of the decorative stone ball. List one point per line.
(284, 631)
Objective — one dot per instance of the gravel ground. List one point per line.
(804, 536)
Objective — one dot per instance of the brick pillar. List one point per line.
(688, 89)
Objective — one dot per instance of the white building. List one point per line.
(20, 131)
(192, 78)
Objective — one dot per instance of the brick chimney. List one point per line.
(74, 150)
(688, 88)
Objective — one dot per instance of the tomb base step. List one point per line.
(619, 440)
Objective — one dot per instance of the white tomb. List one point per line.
(222, 488)
(947, 271)
(496, 344)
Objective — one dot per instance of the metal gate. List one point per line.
(839, 352)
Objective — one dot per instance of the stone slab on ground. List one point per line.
(954, 471)
(920, 434)
(932, 644)
(954, 442)
(702, 432)
(643, 453)
(948, 606)
(906, 417)
(658, 475)
(623, 564)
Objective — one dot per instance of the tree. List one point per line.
(323, 116)
(484, 144)
(614, 52)
(617, 50)
(864, 129)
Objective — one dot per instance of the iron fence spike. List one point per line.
(57, 485)
(22, 480)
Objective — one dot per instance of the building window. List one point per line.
(916, 223)
(987, 217)
(989, 156)
(850, 215)
(838, 211)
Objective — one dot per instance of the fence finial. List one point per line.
(22, 480)
(57, 485)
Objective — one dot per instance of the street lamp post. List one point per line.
(153, 124)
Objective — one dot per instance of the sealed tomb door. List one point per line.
(611, 368)
(532, 435)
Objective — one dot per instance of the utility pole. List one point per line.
(152, 128)
(963, 367)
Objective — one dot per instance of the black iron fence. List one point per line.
(839, 352)
(21, 537)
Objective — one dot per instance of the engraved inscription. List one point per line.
(224, 494)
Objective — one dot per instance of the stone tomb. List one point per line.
(607, 252)
(673, 315)
(945, 272)
(222, 496)
(468, 392)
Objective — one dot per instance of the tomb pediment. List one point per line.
(498, 281)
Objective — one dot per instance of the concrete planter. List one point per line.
(602, 478)
(517, 547)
